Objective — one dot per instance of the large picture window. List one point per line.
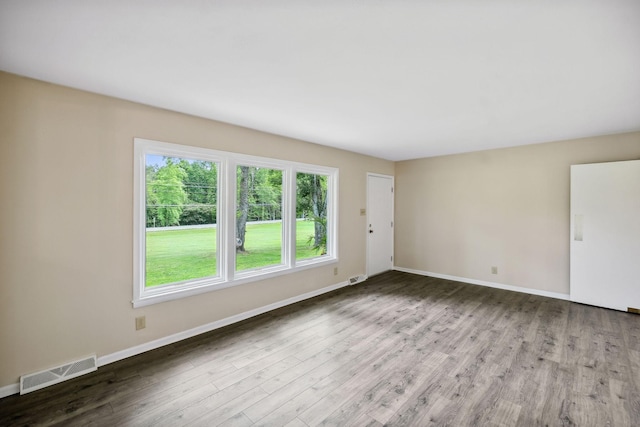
(207, 219)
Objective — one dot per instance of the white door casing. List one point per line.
(379, 223)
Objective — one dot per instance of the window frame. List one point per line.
(227, 276)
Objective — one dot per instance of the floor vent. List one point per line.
(38, 380)
(357, 279)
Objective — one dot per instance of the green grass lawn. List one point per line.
(176, 255)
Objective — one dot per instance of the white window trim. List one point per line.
(226, 208)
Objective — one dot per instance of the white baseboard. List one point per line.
(10, 389)
(123, 354)
(138, 349)
(531, 291)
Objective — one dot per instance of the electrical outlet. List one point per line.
(335, 271)
(141, 323)
(494, 270)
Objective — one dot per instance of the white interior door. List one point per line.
(379, 223)
(605, 234)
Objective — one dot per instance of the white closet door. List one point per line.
(605, 234)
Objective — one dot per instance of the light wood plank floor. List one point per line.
(396, 350)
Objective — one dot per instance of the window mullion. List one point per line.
(221, 219)
(289, 218)
(230, 220)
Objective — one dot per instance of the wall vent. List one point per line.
(38, 380)
(357, 279)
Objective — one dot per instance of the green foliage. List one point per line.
(266, 198)
(184, 192)
(264, 193)
(151, 199)
(201, 181)
(194, 214)
(311, 203)
(165, 192)
(190, 194)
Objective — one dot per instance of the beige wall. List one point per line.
(66, 190)
(459, 215)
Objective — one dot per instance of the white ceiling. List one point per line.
(396, 79)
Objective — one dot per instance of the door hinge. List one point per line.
(392, 189)
(391, 257)
(391, 224)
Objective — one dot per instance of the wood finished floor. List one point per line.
(396, 350)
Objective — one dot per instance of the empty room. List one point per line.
(303, 213)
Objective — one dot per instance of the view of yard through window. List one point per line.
(177, 255)
(180, 192)
(311, 204)
(259, 198)
(181, 218)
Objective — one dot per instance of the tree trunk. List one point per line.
(316, 202)
(243, 209)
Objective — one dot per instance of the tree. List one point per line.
(312, 205)
(151, 199)
(319, 207)
(259, 198)
(243, 207)
(318, 241)
(166, 193)
(200, 185)
(265, 196)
